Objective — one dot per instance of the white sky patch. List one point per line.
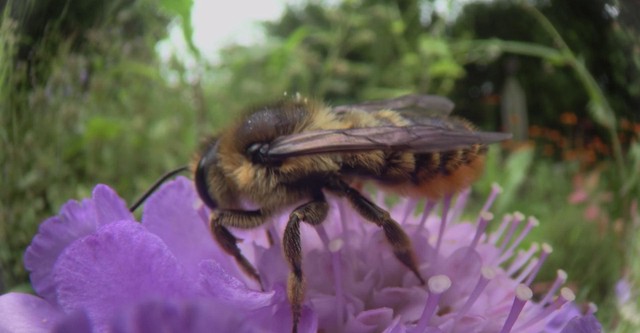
(217, 24)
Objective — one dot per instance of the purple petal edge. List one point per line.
(75, 220)
(27, 313)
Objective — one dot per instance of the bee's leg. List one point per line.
(314, 213)
(398, 239)
(220, 220)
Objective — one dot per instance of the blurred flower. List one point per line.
(623, 291)
(568, 118)
(95, 268)
(583, 324)
(587, 191)
(627, 303)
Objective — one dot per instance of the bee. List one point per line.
(293, 152)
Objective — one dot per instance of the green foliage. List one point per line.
(355, 50)
(80, 113)
(182, 10)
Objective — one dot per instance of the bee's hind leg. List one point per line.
(398, 239)
(220, 220)
(314, 213)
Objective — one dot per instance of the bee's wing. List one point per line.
(434, 105)
(416, 138)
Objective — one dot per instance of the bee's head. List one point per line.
(208, 160)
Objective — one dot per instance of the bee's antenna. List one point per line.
(155, 186)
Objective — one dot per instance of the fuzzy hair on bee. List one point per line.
(291, 153)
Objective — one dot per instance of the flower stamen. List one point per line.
(483, 222)
(523, 294)
(461, 203)
(515, 222)
(429, 205)
(531, 223)
(495, 236)
(495, 191)
(561, 278)
(522, 258)
(335, 246)
(409, 209)
(487, 274)
(324, 237)
(566, 295)
(437, 285)
(546, 250)
(527, 270)
(446, 204)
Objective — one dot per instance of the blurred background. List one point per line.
(121, 91)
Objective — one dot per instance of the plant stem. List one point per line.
(599, 106)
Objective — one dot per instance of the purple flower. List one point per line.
(626, 299)
(585, 324)
(95, 268)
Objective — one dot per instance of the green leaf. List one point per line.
(446, 68)
(182, 10)
(515, 171)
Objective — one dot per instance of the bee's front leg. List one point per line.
(220, 220)
(314, 213)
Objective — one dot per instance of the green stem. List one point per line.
(495, 45)
(600, 108)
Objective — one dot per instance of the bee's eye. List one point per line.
(258, 152)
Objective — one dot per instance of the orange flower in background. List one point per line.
(568, 118)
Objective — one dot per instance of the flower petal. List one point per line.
(271, 265)
(26, 313)
(561, 318)
(407, 302)
(75, 220)
(170, 213)
(277, 317)
(374, 320)
(122, 263)
(196, 316)
(395, 327)
(109, 206)
(221, 285)
(76, 322)
(583, 324)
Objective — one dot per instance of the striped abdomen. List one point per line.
(432, 174)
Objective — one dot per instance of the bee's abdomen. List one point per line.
(431, 175)
(443, 173)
